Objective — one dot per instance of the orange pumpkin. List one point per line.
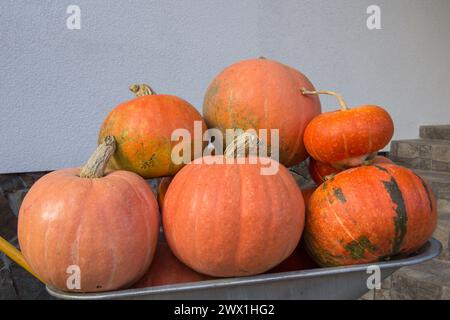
(229, 220)
(299, 259)
(143, 127)
(104, 227)
(263, 94)
(369, 214)
(167, 269)
(319, 170)
(346, 138)
(162, 189)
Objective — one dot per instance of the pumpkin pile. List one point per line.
(223, 218)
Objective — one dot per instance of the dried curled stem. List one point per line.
(241, 144)
(96, 165)
(142, 90)
(332, 93)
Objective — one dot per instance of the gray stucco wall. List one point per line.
(57, 85)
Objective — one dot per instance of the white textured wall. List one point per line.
(57, 85)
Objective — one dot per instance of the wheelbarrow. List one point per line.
(347, 282)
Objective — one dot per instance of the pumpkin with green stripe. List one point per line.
(368, 214)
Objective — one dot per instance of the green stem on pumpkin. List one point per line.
(96, 165)
(142, 90)
(332, 93)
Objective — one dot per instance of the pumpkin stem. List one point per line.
(241, 143)
(142, 90)
(332, 93)
(95, 166)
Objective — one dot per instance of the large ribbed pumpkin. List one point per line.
(143, 127)
(369, 214)
(319, 170)
(230, 220)
(299, 259)
(263, 94)
(167, 269)
(107, 226)
(347, 137)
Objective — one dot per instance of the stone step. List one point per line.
(442, 234)
(439, 132)
(426, 281)
(438, 181)
(424, 154)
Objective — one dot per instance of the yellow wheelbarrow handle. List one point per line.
(16, 256)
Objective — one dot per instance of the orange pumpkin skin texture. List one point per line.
(107, 226)
(162, 189)
(143, 127)
(228, 220)
(347, 137)
(263, 94)
(319, 170)
(368, 214)
(167, 269)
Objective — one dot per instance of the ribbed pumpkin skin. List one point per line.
(366, 214)
(143, 127)
(319, 170)
(347, 137)
(263, 94)
(107, 226)
(299, 259)
(167, 269)
(229, 220)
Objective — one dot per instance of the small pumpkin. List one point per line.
(347, 137)
(263, 94)
(167, 269)
(82, 219)
(319, 171)
(162, 189)
(368, 214)
(224, 218)
(143, 127)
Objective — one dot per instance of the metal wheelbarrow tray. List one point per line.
(349, 282)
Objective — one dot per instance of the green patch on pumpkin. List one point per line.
(339, 195)
(149, 163)
(358, 248)
(401, 217)
(321, 256)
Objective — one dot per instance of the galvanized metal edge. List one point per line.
(429, 251)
